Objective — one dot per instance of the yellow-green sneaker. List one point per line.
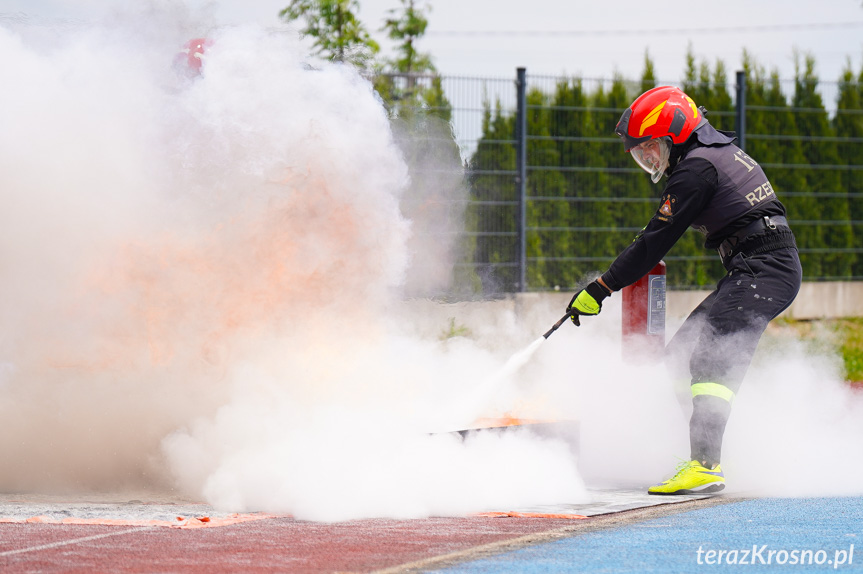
(692, 478)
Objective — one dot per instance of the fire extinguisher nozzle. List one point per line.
(556, 325)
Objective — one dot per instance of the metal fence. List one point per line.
(553, 198)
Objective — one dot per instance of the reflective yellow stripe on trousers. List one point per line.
(713, 389)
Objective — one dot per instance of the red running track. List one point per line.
(277, 544)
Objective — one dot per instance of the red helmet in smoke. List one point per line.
(190, 59)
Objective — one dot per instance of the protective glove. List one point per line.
(588, 301)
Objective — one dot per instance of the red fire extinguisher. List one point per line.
(643, 317)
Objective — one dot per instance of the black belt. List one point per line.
(767, 223)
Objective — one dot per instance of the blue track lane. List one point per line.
(768, 535)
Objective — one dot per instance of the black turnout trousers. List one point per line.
(720, 336)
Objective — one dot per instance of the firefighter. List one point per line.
(716, 188)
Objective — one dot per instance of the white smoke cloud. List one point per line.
(796, 426)
(202, 281)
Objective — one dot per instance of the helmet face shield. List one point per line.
(652, 156)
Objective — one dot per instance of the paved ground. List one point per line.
(620, 531)
(768, 535)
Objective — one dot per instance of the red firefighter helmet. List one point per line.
(190, 59)
(661, 112)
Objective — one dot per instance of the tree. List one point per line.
(420, 115)
(648, 76)
(493, 209)
(709, 90)
(820, 150)
(756, 97)
(774, 140)
(338, 34)
(848, 124)
(408, 28)
(570, 128)
(545, 183)
(631, 197)
(696, 79)
(409, 84)
(721, 103)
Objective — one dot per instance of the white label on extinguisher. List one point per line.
(656, 304)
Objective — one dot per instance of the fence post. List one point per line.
(740, 105)
(521, 173)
